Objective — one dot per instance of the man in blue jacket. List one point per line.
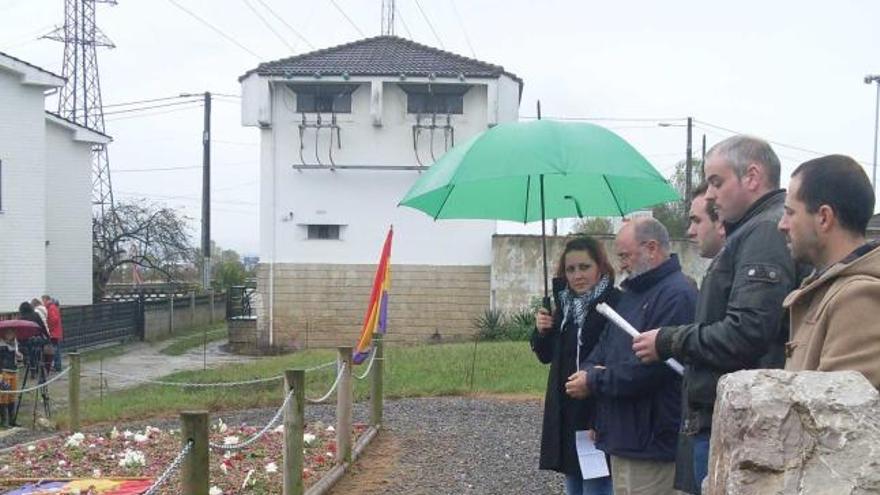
(639, 405)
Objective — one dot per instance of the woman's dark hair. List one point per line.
(25, 308)
(596, 251)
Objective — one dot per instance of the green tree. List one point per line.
(674, 215)
(594, 225)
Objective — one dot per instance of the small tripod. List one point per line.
(34, 369)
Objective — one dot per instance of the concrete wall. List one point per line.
(23, 188)
(319, 305)
(159, 323)
(69, 216)
(517, 270)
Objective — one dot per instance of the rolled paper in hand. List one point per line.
(624, 325)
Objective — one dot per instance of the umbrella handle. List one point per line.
(545, 302)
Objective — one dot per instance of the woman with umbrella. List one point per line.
(584, 278)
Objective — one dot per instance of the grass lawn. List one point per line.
(194, 339)
(429, 370)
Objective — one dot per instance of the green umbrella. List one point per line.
(528, 171)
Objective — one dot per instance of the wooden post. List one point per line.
(294, 428)
(343, 408)
(171, 315)
(192, 309)
(73, 391)
(194, 470)
(376, 384)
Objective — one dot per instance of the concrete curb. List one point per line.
(334, 475)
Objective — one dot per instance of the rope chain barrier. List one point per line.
(258, 435)
(185, 384)
(38, 387)
(332, 387)
(174, 466)
(369, 366)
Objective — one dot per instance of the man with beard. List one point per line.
(639, 405)
(739, 322)
(827, 210)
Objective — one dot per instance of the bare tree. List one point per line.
(139, 233)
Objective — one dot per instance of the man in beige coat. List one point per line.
(834, 323)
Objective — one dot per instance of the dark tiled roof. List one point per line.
(30, 65)
(381, 56)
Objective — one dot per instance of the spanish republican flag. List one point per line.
(376, 319)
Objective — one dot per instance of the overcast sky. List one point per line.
(789, 71)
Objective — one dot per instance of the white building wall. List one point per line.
(69, 216)
(22, 219)
(363, 202)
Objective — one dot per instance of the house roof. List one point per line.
(31, 74)
(81, 132)
(381, 56)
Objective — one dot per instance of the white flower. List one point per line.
(151, 430)
(91, 445)
(114, 433)
(96, 473)
(215, 491)
(140, 438)
(224, 468)
(132, 458)
(279, 429)
(331, 428)
(62, 463)
(5, 468)
(127, 434)
(227, 454)
(221, 426)
(308, 438)
(329, 454)
(74, 440)
(29, 463)
(32, 448)
(230, 440)
(271, 468)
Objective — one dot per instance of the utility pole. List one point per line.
(388, 17)
(703, 161)
(689, 165)
(868, 80)
(206, 190)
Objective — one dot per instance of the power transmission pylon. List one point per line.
(80, 98)
(387, 17)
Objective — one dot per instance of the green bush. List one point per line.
(494, 325)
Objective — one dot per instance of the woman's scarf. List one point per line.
(575, 308)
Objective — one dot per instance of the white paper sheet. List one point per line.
(591, 459)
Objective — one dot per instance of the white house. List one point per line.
(345, 131)
(45, 192)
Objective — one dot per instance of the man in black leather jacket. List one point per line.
(739, 322)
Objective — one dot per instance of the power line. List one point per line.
(138, 102)
(463, 29)
(215, 29)
(191, 198)
(291, 28)
(355, 26)
(425, 16)
(152, 114)
(403, 22)
(606, 119)
(152, 107)
(269, 26)
(180, 167)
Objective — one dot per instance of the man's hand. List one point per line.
(543, 321)
(645, 346)
(577, 387)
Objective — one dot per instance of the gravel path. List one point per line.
(440, 445)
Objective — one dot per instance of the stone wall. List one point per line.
(778, 432)
(322, 305)
(517, 270)
(189, 312)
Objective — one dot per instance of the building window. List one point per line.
(323, 98)
(435, 98)
(324, 232)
